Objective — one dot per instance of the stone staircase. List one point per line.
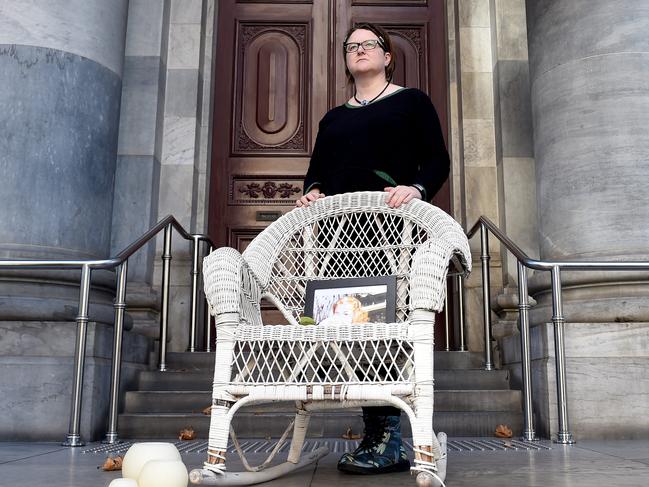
(469, 401)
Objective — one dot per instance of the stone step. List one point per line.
(196, 401)
(445, 379)
(322, 425)
(205, 360)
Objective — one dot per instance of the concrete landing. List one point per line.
(620, 463)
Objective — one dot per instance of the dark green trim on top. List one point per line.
(348, 105)
(386, 176)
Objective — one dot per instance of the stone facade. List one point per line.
(547, 140)
(37, 359)
(491, 143)
(607, 387)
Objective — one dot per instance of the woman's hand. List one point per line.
(309, 198)
(400, 195)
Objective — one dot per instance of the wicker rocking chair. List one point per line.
(330, 366)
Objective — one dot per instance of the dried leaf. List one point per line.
(187, 434)
(508, 444)
(349, 435)
(503, 431)
(112, 463)
(207, 411)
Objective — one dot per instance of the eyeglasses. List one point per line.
(367, 45)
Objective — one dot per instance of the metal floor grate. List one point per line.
(459, 445)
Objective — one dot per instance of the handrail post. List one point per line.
(446, 323)
(460, 301)
(73, 437)
(486, 298)
(116, 363)
(164, 311)
(208, 319)
(194, 301)
(563, 436)
(524, 320)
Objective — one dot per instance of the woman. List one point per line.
(346, 311)
(385, 138)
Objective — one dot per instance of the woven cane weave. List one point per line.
(343, 236)
(335, 354)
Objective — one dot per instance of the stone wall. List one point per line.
(71, 164)
(37, 361)
(491, 137)
(164, 142)
(137, 178)
(606, 379)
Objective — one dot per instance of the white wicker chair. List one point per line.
(330, 366)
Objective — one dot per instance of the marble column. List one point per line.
(589, 72)
(589, 75)
(61, 75)
(61, 65)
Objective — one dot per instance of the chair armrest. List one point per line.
(429, 269)
(231, 286)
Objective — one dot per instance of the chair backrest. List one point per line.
(344, 236)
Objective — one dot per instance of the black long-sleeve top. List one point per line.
(395, 140)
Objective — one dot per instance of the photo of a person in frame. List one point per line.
(345, 311)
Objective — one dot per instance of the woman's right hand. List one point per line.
(309, 198)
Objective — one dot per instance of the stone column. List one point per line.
(60, 78)
(61, 75)
(589, 66)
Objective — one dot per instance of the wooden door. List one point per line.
(278, 68)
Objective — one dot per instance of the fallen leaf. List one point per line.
(187, 434)
(503, 431)
(112, 463)
(508, 444)
(207, 411)
(349, 435)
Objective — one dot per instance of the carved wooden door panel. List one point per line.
(271, 89)
(279, 68)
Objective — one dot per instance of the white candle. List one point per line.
(161, 473)
(141, 453)
(123, 483)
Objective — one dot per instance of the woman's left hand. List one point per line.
(400, 195)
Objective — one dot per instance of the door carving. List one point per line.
(278, 68)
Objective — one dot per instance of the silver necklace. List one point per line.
(365, 102)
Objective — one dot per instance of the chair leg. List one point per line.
(219, 422)
(218, 439)
(300, 427)
(431, 463)
(430, 455)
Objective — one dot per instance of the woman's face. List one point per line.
(362, 62)
(344, 312)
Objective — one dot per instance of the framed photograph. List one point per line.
(354, 300)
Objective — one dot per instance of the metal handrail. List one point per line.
(106, 263)
(484, 225)
(120, 261)
(548, 265)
